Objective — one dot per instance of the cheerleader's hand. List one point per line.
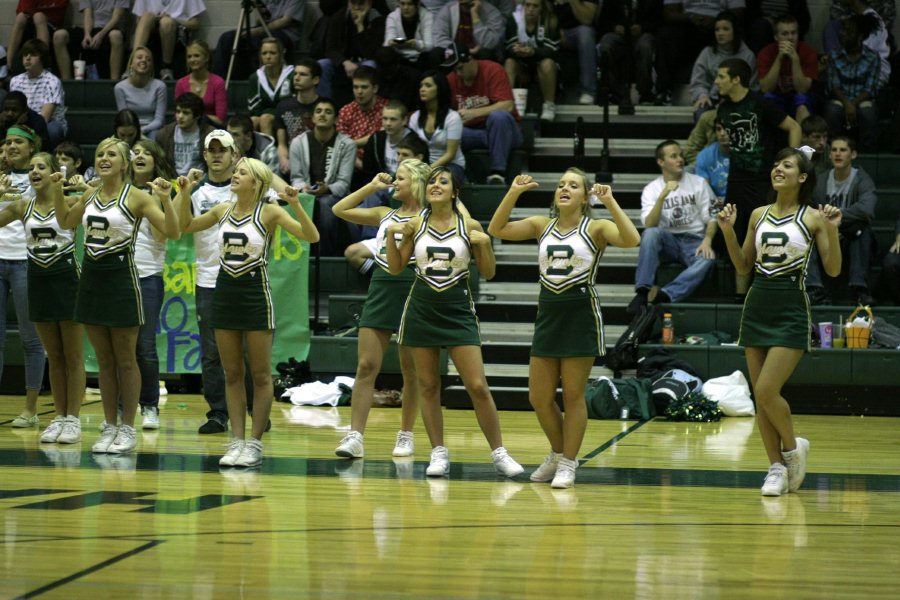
(290, 195)
(94, 183)
(727, 217)
(162, 187)
(603, 192)
(4, 182)
(57, 179)
(400, 231)
(831, 214)
(523, 183)
(479, 238)
(193, 178)
(382, 181)
(76, 183)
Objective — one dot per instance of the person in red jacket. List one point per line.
(481, 94)
(787, 70)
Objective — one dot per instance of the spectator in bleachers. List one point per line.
(21, 145)
(412, 146)
(679, 226)
(41, 16)
(814, 133)
(99, 41)
(874, 35)
(755, 127)
(712, 164)
(142, 93)
(576, 22)
(43, 90)
(353, 38)
(408, 30)
(842, 9)
(480, 93)
(253, 144)
(628, 45)
(702, 135)
(70, 156)
(762, 21)
(853, 75)
(16, 112)
(270, 84)
(853, 191)
(285, 22)
(728, 44)
(441, 127)
(474, 24)
(322, 165)
(205, 84)
(172, 20)
(293, 115)
(532, 41)
(183, 139)
(788, 68)
(127, 127)
(361, 118)
(891, 265)
(380, 154)
(688, 26)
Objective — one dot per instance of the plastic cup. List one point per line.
(825, 330)
(80, 66)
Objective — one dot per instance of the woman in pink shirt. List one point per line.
(208, 86)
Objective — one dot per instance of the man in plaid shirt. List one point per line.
(362, 117)
(43, 89)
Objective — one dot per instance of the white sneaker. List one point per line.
(234, 450)
(440, 462)
(586, 98)
(547, 470)
(162, 388)
(51, 434)
(795, 461)
(404, 445)
(548, 111)
(107, 437)
(495, 179)
(149, 417)
(126, 440)
(351, 446)
(565, 474)
(776, 482)
(504, 463)
(251, 455)
(71, 431)
(167, 74)
(21, 421)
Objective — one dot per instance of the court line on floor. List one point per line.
(611, 442)
(48, 412)
(93, 568)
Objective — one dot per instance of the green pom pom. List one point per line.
(694, 407)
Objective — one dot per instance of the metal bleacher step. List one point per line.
(517, 291)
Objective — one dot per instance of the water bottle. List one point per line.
(668, 330)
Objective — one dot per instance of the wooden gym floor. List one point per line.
(660, 510)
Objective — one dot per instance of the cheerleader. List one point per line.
(242, 310)
(777, 246)
(109, 294)
(440, 312)
(52, 287)
(568, 333)
(384, 303)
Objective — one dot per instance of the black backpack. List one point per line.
(624, 354)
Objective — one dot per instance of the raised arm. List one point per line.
(14, 211)
(621, 232)
(482, 249)
(524, 229)
(348, 208)
(827, 242)
(743, 257)
(300, 225)
(68, 216)
(159, 210)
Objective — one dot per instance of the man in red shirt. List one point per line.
(480, 92)
(362, 117)
(787, 70)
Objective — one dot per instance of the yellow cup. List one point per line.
(838, 342)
